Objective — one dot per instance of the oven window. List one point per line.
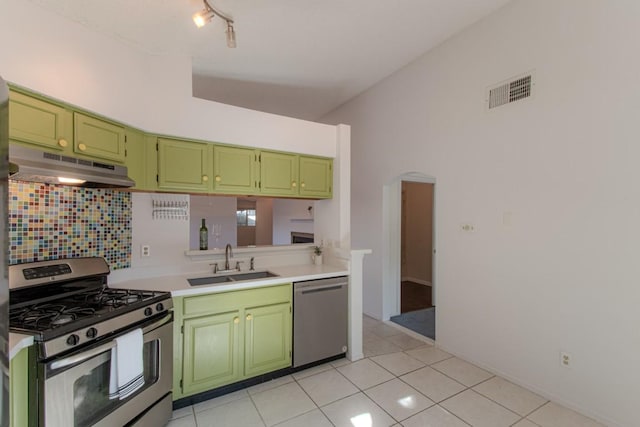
(91, 391)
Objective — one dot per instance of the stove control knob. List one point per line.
(159, 307)
(92, 332)
(148, 311)
(73, 339)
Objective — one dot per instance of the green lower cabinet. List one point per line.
(267, 339)
(227, 337)
(19, 389)
(211, 350)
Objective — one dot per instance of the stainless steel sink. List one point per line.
(199, 281)
(252, 275)
(232, 277)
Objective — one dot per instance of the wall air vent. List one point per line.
(510, 91)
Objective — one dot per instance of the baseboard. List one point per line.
(551, 396)
(414, 280)
(411, 333)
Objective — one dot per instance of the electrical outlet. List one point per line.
(469, 228)
(565, 359)
(145, 250)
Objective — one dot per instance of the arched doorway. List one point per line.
(394, 257)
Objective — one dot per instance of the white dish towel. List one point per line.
(127, 368)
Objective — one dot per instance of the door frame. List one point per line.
(391, 249)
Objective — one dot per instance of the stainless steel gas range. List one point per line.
(88, 337)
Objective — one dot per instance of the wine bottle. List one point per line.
(204, 237)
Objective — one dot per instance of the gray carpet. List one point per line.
(420, 321)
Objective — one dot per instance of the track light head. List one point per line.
(202, 18)
(231, 36)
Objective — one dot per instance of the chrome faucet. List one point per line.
(228, 251)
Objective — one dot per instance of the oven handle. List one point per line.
(72, 360)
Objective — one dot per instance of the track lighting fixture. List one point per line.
(206, 15)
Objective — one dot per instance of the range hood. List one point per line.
(28, 164)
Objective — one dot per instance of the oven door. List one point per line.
(76, 388)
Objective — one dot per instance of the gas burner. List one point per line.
(58, 299)
(62, 319)
(50, 315)
(117, 298)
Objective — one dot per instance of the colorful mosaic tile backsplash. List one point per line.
(50, 222)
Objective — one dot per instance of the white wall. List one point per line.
(62, 59)
(47, 53)
(291, 215)
(550, 184)
(264, 221)
(215, 210)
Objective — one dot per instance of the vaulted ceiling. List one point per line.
(300, 58)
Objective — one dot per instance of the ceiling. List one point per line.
(299, 58)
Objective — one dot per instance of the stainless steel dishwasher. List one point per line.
(319, 319)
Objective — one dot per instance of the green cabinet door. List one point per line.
(142, 159)
(98, 138)
(19, 389)
(183, 165)
(226, 337)
(267, 338)
(211, 352)
(234, 170)
(278, 174)
(34, 121)
(135, 160)
(316, 177)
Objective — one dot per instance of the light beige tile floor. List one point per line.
(401, 382)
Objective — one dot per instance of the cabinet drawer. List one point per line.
(230, 301)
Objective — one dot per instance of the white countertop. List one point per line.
(179, 286)
(17, 342)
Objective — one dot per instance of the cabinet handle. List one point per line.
(62, 142)
(293, 184)
(249, 317)
(205, 178)
(82, 147)
(218, 179)
(236, 320)
(302, 184)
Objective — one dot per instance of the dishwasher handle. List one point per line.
(325, 288)
(313, 286)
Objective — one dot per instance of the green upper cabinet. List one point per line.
(267, 338)
(34, 121)
(98, 138)
(234, 170)
(183, 165)
(142, 159)
(316, 177)
(278, 173)
(165, 163)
